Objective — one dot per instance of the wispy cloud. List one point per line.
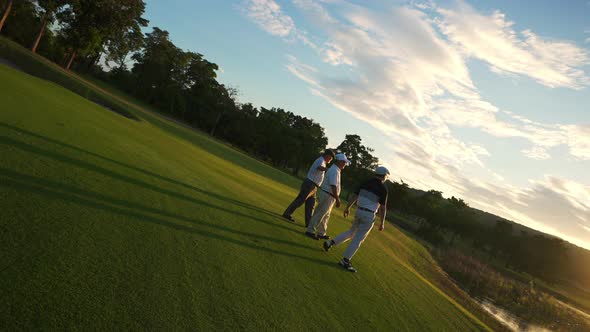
(536, 152)
(492, 38)
(269, 16)
(300, 69)
(578, 137)
(334, 55)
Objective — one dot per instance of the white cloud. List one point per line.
(300, 70)
(536, 152)
(269, 16)
(493, 39)
(423, 5)
(334, 55)
(578, 140)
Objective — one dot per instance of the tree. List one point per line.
(6, 12)
(50, 8)
(20, 23)
(156, 64)
(501, 234)
(359, 155)
(227, 102)
(200, 74)
(431, 201)
(119, 48)
(121, 42)
(457, 218)
(309, 141)
(399, 194)
(80, 29)
(88, 25)
(362, 162)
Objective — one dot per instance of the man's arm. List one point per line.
(335, 195)
(352, 200)
(381, 213)
(322, 168)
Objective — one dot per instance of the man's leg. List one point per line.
(364, 227)
(309, 204)
(325, 203)
(306, 187)
(347, 235)
(318, 214)
(323, 224)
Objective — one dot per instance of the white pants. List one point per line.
(321, 214)
(361, 226)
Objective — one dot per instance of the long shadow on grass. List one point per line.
(138, 169)
(91, 167)
(69, 194)
(86, 194)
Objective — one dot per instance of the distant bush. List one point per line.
(431, 234)
(519, 298)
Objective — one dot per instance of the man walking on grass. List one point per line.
(371, 198)
(306, 195)
(328, 195)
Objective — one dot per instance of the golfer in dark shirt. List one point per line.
(371, 198)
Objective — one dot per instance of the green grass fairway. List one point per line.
(113, 223)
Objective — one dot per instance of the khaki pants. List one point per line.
(361, 226)
(321, 215)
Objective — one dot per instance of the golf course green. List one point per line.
(134, 223)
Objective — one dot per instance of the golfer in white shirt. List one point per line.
(329, 195)
(306, 195)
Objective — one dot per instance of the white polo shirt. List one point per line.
(332, 179)
(314, 174)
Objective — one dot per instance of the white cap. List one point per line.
(381, 170)
(342, 157)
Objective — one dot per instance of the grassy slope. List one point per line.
(111, 222)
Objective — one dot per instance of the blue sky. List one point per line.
(485, 100)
